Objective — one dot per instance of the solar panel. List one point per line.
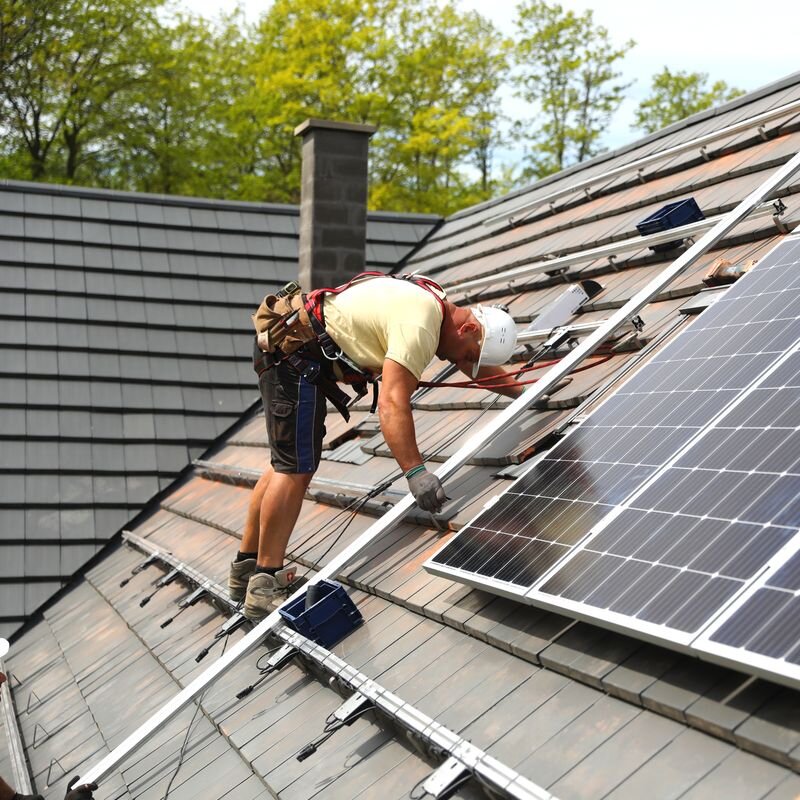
(677, 492)
(707, 525)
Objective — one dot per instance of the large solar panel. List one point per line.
(705, 528)
(678, 492)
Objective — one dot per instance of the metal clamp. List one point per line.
(347, 713)
(443, 781)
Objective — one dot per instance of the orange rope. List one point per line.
(486, 383)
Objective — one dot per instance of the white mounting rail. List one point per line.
(498, 776)
(471, 446)
(574, 330)
(491, 772)
(16, 751)
(506, 278)
(639, 164)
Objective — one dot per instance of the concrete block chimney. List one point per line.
(333, 201)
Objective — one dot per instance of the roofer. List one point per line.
(373, 325)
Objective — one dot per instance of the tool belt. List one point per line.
(287, 329)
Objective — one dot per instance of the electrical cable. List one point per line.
(486, 383)
(182, 753)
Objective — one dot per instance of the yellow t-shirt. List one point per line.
(382, 318)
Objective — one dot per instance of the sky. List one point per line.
(741, 42)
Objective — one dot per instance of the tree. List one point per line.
(427, 76)
(170, 130)
(677, 95)
(62, 63)
(443, 78)
(116, 93)
(567, 67)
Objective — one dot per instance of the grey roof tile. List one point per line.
(680, 686)
(739, 776)
(774, 728)
(605, 761)
(682, 763)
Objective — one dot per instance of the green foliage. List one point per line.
(117, 93)
(426, 76)
(568, 69)
(61, 65)
(677, 95)
(126, 94)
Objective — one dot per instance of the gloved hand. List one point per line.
(82, 792)
(427, 489)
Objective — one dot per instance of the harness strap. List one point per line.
(352, 374)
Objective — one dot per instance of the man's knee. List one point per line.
(299, 480)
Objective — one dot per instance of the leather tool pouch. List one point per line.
(282, 324)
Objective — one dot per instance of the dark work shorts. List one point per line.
(295, 412)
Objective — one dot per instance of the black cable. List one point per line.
(182, 753)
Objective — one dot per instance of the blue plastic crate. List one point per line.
(329, 620)
(672, 215)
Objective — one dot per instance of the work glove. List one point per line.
(82, 792)
(426, 488)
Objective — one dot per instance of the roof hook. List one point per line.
(780, 208)
(50, 770)
(28, 706)
(354, 707)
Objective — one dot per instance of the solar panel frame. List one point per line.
(699, 637)
(610, 456)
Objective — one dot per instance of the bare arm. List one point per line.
(394, 410)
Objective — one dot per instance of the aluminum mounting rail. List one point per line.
(498, 777)
(16, 751)
(472, 445)
(639, 164)
(471, 759)
(574, 330)
(506, 278)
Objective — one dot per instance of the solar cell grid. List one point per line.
(767, 624)
(667, 505)
(641, 427)
(714, 519)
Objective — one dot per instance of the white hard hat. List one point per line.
(499, 336)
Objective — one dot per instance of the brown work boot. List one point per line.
(238, 577)
(265, 592)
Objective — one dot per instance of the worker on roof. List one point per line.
(374, 325)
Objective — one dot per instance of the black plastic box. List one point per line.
(329, 620)
(672, 215)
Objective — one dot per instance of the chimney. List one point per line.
(333, 201)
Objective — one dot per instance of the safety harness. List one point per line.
(290, 327)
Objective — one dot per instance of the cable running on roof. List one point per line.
(487, 770)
